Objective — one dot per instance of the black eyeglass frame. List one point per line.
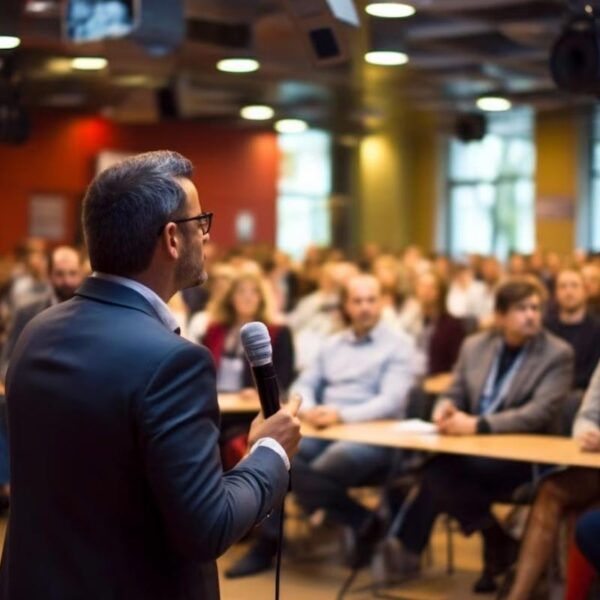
(204, 219)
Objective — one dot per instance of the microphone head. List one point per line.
(257, 343)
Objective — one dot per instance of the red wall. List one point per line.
(234, 169)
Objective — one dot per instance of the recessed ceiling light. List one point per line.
(386, 58)
(390, 10)
(493, 103)
(291, 126)
(8, 42)
(39, 6)
(257, 112)
(89, 63)
(238, 65)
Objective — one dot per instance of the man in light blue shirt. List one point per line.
(362, 373)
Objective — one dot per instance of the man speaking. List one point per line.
(117, 486)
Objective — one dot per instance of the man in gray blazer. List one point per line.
(117, 485)
(510, 380)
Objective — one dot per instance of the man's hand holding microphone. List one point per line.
(283, 427)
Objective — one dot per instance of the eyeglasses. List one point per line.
(204, 222)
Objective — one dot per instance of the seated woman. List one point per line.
(438, 335)
(219, 280)
(246, 300)
(571, 489)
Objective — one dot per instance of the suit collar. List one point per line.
(534, 347)
(110, 292)
(487, 356)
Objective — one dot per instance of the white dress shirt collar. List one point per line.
(158, 304)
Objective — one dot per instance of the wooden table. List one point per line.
(528, 448)
(234, 403)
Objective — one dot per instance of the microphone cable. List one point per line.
(388, 483)
(279, 549)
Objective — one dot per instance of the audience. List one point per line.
(591, 278)
(437, 334)
(562, 491)
(318, 314)
(511, 380)
(358, 342)
(386, 269)
(30, 276)
(65, 276)
(246, 299)
(362, 373)
(572, 322)
(466, 295)
(220, 275)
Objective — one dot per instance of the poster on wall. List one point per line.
(47, 213)
(108, 158)
(555, 208)
(244, 226)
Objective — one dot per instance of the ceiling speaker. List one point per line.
(575, 57)
(324, 26)
(470, 128)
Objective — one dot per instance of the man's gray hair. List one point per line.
(127, 204)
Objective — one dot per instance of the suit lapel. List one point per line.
(485, 359)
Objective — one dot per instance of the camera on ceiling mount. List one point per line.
(575, 56)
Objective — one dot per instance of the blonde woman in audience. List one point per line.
(386, 269)
(220, 277)
(246, 299)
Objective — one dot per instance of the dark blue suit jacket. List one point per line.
(117, 487)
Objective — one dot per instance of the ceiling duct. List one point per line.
(236, 36)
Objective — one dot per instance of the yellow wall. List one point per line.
(426, 171)
(559, 160)
(384, 214)
(398, 184)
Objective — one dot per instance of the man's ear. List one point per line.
(170, 242)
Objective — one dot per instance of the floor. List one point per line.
(315, 572)
(312, 569)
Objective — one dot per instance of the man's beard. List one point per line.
(571, 310)
(189, 271)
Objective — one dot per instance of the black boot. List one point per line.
(258, 558)
(365, 541)
(499, 553)
(485, 584)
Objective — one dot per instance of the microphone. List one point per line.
(257, 346)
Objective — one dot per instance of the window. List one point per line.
(491, 188)
(593, 225)
(304, 187)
